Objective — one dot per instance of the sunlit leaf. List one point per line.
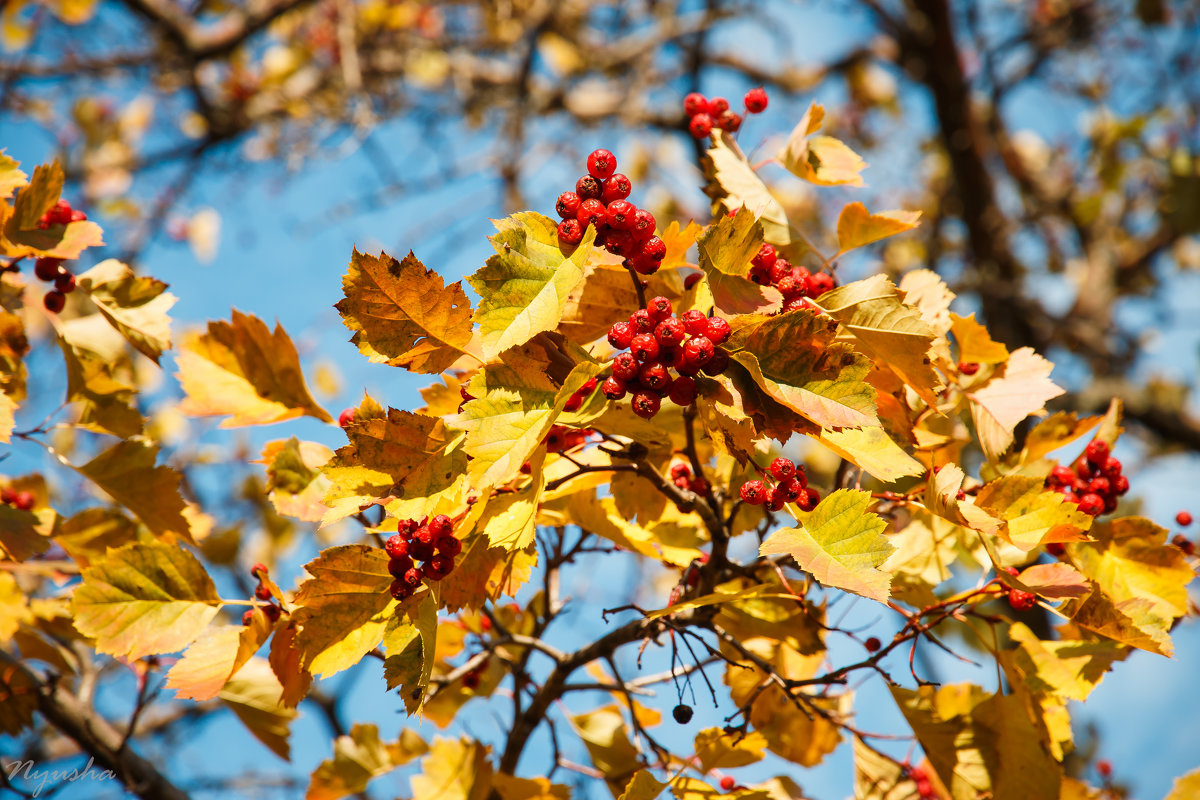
(135, 305)
(857, 227)
(878, 777)
(718, 749)
(127, 473)
(358, 757)
(726, 248)
(217, 655)
(455, 769)
(253, 694)
(975, 344)
(1068, 668)
(1020, 388)
(735, 183)
(1030, 514)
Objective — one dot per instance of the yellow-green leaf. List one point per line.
(358, 757)
(254, 695)
(857, 227)
(295, 482)
(1020, 388)
(605, 735)
(523, 289)
(872, 450)
(11, 177)
(97, 381)
(126, 471)
(822, 160)
(726, 248)
(841, 543)
(1130, 559)
(135, 305)
(242, 370)
(1131, 622)
(1030, 514)
(1066, 668)
(403, 314)
(735, 183)
(144, 599)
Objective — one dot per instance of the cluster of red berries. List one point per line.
(431, 541)
(682, 477)
(262, 592)
(705, 114)
(61, 214)
(793, 282)
(1018, 599)
(22, 501)
(52, 270)
(924, 785)
(657, 341)
(791, 486)
(1093, 482)
(622, 228)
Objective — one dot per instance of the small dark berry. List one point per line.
(248, 617)
(756, 100)
(262, 592)
(399, 566)
(438, 567)
(873, 644)
(400, 589)
(54, 301)
(1056, 549)
(1183, 543)
(258, 567)
(808, 499)
(471, 679)
(1104, 768)
(47, 269)
(601, 164)
(691, 280)
(682, 714)
(413, 577)
(680, 470)
(588, 188)
(683, 391)
(729, 121)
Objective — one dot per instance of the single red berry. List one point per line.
(617, 187)
(765, 257)
(601, 164)
(873, 644)
(644, 225)
(760, 275)
(570, 232)
(642, 321)
(808, 499)
(1111, 468)
(669, 356)
(698, 350)
(695, 103)
(54, 301)
(646, 404)
(753, 492)
(620, 335)
(442, 525)
(782, 268)
(644, 347)
(1097, 452)
(756, 100)
(1012, 571)
(24, 501)
(654, 249)
(717, 364)
(272, 612)
(421, 551)
(248, 617)
(1082, 468)
(694, 322)
(727, 783)
(1091, 504)
(591, 212)
(620, 214)
(782, 468)
(1056, 549)
(1100, 486)
(588, 387)
(258, 568)
(262, 592)
(683, 391)
(1183, 519)
(413, 577)
(613, 388)
(526, 468)
(659, 308)
(407, 527)
(47, 269)
(1104, 768)
(717, 106)
(643, 265)
(438, 567)
(791, 489)
(654, 376)
(691, 280)
(398, 566)
(819, 283)
(797, 304)
(700, 126)
(670, 332)
(680, 470)
(396, 546)
(346, 418)
(1021, 601)
(8, 496)
(77, 215)
(588, 188)
(400, 590)
(567, 205)
(718, 330)
(1183, 543)
(729, 121)
(625, 367)
(968, 368)
(791, 288)
(1063, 476)
(471, 679)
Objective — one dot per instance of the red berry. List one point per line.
(77, 215)
(438, 567)
(782, 268)
(262, 592)
(694, 322)
(442, 525)
(670, 332)
(567, 205)
(1063, 476)
(1091, 504)
(617, 187)
(760, 275)
(717, 106)
(396, 546)
(485, 623)
(680, 470)
(756, 100)
(683, 391)
(471, 679)
(412, 577)
(654, 249)
(1183, 543)
(1183, 519)
(570, 232)
(619, 214)
(642, 321)
(646, 404)
(1100, 486)
(765, 257)
(727, 784)
(654, 376)
(968, 367)
(54, 301)
(644, 347)
(717, 364)
(791, 287)
(669, 356)
(588, 188)
(258, 567)
(601, 164)
(782, 468)
(808, 499)
(1055, 549)
(659, 308)
(1021, 601)
(644, 225)
(8, 496)
(399, 566)
(421, 550)
(700, 126)
(625, 367)
(24, 501)
(248, 617)
(873, 644)
(695, 103)
(791, 489)
(620, 335)
(819, 283)
(729, 121)
(698, 350)
(718, 330)
(753, 492)
(1104, 768)
(46, 268)
(346, 417)
(1097, 452)
(591, 212)
(1111, 468)
(400, 590)
(407, 527)
(691, 280)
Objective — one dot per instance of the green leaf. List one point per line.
(135, 305)
(144, 599)
(726, 248)
(360, 757)
(403, 314)
(841, 543)
(523, 289)
(126, 471)
(343, 609)
(890, 332)
(793, 357)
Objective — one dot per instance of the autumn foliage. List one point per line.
(942, 500)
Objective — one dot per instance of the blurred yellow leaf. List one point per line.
(359, 757)
(975, 344)
(126, 472)
(254, 696)
(135, 305)
(857, 227)
(455, 769)
(1019, 388)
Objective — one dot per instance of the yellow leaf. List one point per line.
(14, 605)
(927, 292)
(510, 520)
(1131, 622)
(1130, 559)
(342, 610)
(831, 162)
(857, 227)
(1186, 787)
(285, 662)
(254, 695)
(126, 471)
(841, 543)
(1055, 581)
(678, 241)
(735, 184)
(925, 549)
(606, 294)
(144, 599)
(975, 344)
(403, 314)
(717, 598)
(642, 786)
(94, 380)
(216, 656)
(135, 305)
(872, 450)
(243, 370)
(1020, 388)
(724, 418)
(523, 289)
(726, 248)
(1055, 431)
(511, 788)
(718, 749)
(793, 358)
(359, 757)
(878, 777)
(455, 769)
(1067, 668)
(22, 533)
(1030, 515)
(11, 177)
(294, 479)
(890, 332)
(19, 688)
(604, 734)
